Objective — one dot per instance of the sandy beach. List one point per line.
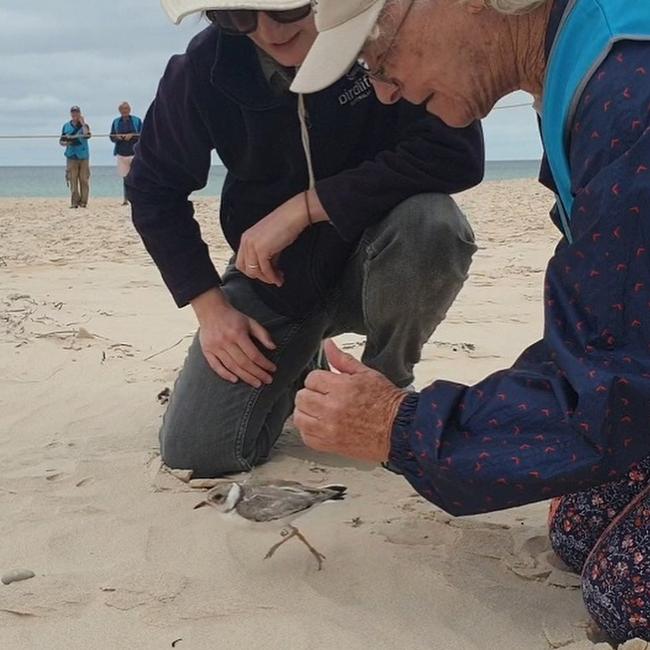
(89, 337)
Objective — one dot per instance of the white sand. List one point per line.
(121, 558)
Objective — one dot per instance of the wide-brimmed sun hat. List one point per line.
(343, 26)
(178, 9)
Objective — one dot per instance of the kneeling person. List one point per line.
(336, 208)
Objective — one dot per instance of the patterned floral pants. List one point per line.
(604, 535)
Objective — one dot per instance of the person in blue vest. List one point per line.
(571, 418)
(324, 199)
(74, 137)
(125, 132)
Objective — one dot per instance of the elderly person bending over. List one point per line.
(571, 418)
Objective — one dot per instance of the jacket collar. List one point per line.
(237, 73)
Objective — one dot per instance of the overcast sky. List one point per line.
(97, 53)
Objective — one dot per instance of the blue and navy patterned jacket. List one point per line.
(574, 410)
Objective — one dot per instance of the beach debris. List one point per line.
(454, 347)
(171, 347)
(205, 483)
(273, 502)
(80, 333)
(17, 575)
(355, 522)
(183, 475)
(17, 612)
(175, 643)
(635, 644)
(560, 634)
(164, 395)
(83, 333)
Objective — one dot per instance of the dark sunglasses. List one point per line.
(244, 21)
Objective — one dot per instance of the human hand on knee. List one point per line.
(227, 339)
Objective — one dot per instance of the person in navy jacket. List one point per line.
(125, 131)
(571, 418)
(335, 206)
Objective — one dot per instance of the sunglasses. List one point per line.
(244, 21)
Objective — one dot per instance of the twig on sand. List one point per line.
(81, 333)
(171, 347)
(17, 612)
(46, 335)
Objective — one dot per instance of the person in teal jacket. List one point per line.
(571, 418)
(74, 137)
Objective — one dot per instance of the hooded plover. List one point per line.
(273, 501)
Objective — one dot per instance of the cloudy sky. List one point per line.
(96, 53)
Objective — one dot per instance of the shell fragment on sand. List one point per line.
(16, 576)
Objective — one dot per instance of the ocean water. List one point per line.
(49, 182)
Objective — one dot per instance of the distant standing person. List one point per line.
(130, 126)
(74, 137)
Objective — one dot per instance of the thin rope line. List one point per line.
(500, 108)
(69, 137)
(109, 135)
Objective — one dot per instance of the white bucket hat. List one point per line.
(178, 9)
(344, 26)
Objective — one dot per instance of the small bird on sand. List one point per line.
(273, 501)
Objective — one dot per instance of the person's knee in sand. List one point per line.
(215, 427)
(325, 236)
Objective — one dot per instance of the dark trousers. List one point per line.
(396, 289)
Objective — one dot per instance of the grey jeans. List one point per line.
(396, 289)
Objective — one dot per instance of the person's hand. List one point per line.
(350, 414)
(261, 245)
(227, 339)
(128, 136)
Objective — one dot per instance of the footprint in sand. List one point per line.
(533, 559)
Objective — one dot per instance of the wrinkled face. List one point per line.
(125, 111)
(440, 58)
(287, 43)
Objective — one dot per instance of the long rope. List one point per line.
(67, 137)
(109, 135)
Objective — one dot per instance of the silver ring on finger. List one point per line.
(253, 266)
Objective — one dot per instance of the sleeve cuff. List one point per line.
(400, 445)
(204, 280)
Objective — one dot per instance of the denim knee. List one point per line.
(430, 217)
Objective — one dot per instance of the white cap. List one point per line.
(178, 9)
(344, 26)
